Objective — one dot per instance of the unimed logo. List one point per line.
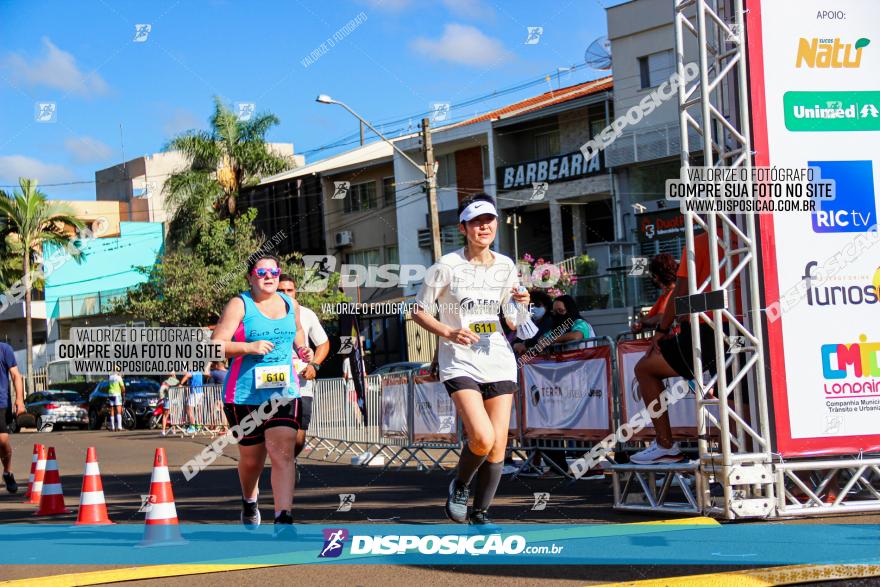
(854, 208)
(830, 53)
(334, 542)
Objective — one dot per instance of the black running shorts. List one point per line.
(288, 415)
(489, 390)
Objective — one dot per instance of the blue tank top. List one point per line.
(253, 379)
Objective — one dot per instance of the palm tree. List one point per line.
(35, 221)
(232, 155)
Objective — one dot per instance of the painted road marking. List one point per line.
(771, 576)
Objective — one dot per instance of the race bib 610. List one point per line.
(272, 376)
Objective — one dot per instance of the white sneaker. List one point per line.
(656, 455)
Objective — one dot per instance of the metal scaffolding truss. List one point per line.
(736, 475)
(734, 447)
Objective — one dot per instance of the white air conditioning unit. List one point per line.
(344, 238)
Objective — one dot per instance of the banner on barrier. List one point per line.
(394, 410)
(434, 412)
(682, 414)
(817, 74)
(568, 399)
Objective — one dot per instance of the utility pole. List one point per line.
(428, 147)
(362, 134)
(515, 219)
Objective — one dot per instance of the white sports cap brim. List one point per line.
(477, 208)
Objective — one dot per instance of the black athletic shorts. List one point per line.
(306, 412)
(678, 350)
(288, 415)
(489, 390)
(5, 419)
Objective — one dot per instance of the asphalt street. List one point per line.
(407, 496)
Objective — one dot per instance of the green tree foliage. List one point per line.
(190, 287)
(232, 155)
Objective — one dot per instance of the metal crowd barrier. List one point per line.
(196, 410)
(535, 443)
(337, 428)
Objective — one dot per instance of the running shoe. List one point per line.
(456, 503)
(657, 455)
(190, 430)
(284, 526)
(481, 518)
(250, 514)
(11, 485)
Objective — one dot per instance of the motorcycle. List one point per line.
(155, 422)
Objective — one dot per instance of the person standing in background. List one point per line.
(9, 373)
(116, 397)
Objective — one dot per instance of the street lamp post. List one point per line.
(427, 170)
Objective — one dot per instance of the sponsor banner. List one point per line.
(682, 414)
(832, 111)
(568, 399)
(451, 544)
(810, 84)
(434, 412)
(394, 394)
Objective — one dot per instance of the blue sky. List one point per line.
(401, 57)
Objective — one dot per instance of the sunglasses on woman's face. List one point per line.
(263, 272)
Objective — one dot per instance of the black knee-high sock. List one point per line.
(468, 465)
(488, 478)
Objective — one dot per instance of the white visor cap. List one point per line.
(477, 208)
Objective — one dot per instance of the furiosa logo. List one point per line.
(830, 53)
(860, 360)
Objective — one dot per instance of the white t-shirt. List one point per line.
(471, 296)
(313, 332)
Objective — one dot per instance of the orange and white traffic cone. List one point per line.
(34, 460)
(39, 474)
(161, 523)
(52, 497)
(92, 507)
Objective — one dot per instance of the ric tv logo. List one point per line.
(854, 208)
(842, 363)
(830, 53)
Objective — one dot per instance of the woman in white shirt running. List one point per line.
(476, 363)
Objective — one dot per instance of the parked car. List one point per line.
(141, 397)
(399, 367)
(51, 410)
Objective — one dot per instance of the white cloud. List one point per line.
(180, 120)
(14, 166)
(473, 9)
(55, 69)
(464, 45)
(85, 150)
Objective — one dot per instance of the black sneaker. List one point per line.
(250, 515)
(481, 518)
(284, 526)
(11, 485)
(456, 503)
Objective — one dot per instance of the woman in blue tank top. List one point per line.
(259, 329)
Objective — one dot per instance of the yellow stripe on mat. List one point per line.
(771, 576)
(159, 571)
(127, 574)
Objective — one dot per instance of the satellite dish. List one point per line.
(598, 54)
